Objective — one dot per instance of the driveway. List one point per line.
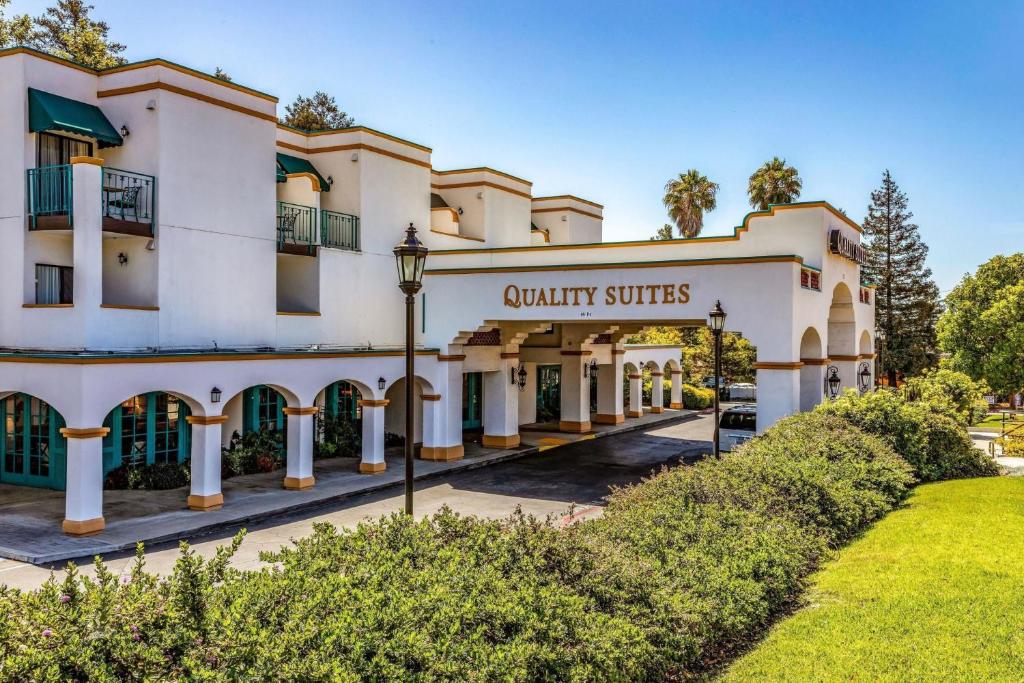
(548, 483)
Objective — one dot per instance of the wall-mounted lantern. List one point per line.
(125, 132)
(832, 381)
(864, 378)
(215, 395)
(518, 376)
(381, 382)
(590, 369)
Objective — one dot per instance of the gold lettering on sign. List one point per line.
(614, 295)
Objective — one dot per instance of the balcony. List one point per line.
(339, 230)
(128, 200)
(297, 231)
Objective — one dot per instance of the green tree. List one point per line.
(319, 112)
(16, 30)
(774, 183)
(657, 334)
(664, 233)
(906, 299)
(222, 75)
(66, 30)
(982, 330)
(738, 355)
(687, 198)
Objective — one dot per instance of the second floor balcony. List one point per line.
(301, 230)
(127, 200)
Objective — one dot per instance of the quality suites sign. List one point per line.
(588, 296)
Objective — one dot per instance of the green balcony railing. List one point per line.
(129, 196)
(297, 224)
(49, 194)
(339, 230)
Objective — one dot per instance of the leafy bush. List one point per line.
(951, 393)
(697, 398)
(259, 451)
(680, 570)
(1013, 445)
(338, 438)
(934, 444)
(153, 477)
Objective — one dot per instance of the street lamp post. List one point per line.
(716, 318)
(411, 256)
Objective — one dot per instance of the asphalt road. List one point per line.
(578, 476)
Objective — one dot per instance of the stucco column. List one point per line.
(778, 392)
(575, 393)
(636, 395)
(812, 382)
(300, 448)
(501, 405)
(205, 493)
(657, 391)
(446, 442)
(373, 436)
(609, 392)
(86, 174)
(676, 397)
(83, 496)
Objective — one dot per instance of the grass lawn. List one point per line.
(935, 591)
(995, 421)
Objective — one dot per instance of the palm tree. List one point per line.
(774, 183)
(687, 198)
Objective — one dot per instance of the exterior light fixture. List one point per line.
(411, 257)
(864, 378)
(832, 381)
(522, 377)
(122, 258)
(590, 369)
(381, 382)
(330, 181)
(518, 376)
(716, 321)
(125, 132)
(215, 395)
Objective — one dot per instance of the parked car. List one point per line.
(742, 391)
(737, 425)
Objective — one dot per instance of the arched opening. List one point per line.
(147, 432)
(394, 412)
(255, 435)
(812, 370)
(842, 340)
(338, 424)
(33, 452)
(866, 347)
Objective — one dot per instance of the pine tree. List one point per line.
(664, 233)
(906, 298)
(67, 30)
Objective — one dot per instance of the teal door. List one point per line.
(147, 429)
(549, 393)
(472, 401)
(32, 451)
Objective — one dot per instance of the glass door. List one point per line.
(32, 451)
(472, 401)
(549, 393)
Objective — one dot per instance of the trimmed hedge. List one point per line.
(680, 570)
(697, 398)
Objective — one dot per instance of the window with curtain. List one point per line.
(54, 284)
(54, 150)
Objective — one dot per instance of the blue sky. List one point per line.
(610, 100)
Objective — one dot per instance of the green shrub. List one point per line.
(152, 477)
(338, 438)
(259, 451)
(951, 393)
(934, 444)
(697, 398)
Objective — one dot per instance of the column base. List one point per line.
(574, 427)
(83, 527)
(675, 406)
(657, 410)
(299, 483)
(372, 467)
(442, 453)
(602, 419)
(634, 413)
(205, 503)
(492, 441)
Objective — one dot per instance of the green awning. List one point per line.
(47, 111)
(289, 164)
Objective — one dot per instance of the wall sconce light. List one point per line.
(151, 105)
(832, 381)
(215, 395)
(380, 383)
(460, 210)
(122, 258)
(124, 131)
(518, 376)
(590, 369)
(479, 195)
(330, 181)
(355, 156)
(864, 378)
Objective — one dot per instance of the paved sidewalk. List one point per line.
(30, 518)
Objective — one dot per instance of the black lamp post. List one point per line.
(716, 319)
(411, 256)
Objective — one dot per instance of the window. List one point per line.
(167, 427)
(55, 150)
(134, 436)
(746, 422)
(54, 284)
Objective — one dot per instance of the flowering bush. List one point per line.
(680, 570)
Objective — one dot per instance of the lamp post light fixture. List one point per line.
(864, 378)
(215, 395)
(716, 320)
(410, 257)
(832, 381)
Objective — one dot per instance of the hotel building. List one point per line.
(178, 266)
